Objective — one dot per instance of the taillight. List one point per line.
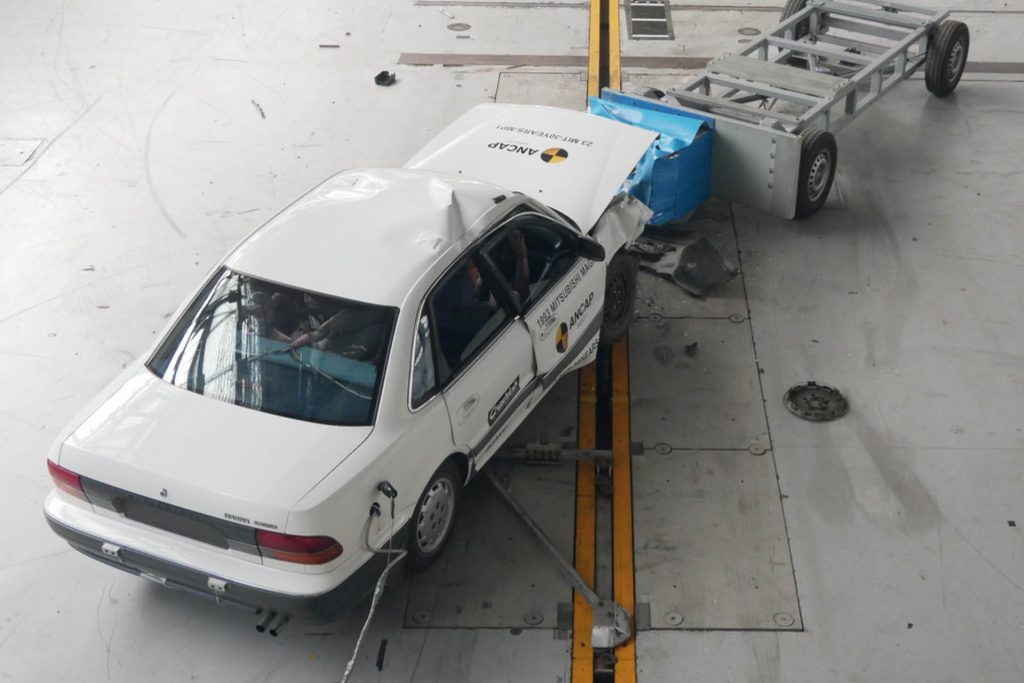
(66, 480)
(299, 549)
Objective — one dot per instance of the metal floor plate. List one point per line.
(711, 547)
(711, 400)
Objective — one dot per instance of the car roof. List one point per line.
(366, 235)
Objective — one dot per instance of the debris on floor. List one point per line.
(385, 78)
(691, 262)
(259, 109)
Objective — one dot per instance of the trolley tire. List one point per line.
(817, 147)
(947, 57)
(619, 297)
(803, 27)
(447, 479)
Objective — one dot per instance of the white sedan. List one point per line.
(378, 339)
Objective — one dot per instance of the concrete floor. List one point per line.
(167, 131)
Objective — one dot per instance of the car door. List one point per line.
(561, 303)
(483, 353)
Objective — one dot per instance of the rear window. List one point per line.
(279, 350)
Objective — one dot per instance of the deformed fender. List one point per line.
(621, 223)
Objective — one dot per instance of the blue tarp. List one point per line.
(674, 176)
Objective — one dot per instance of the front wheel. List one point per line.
(619, 297)
(431, 524)
(947, 57)
(818, 157)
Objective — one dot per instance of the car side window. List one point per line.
(531, 255)
(424, 375)
(467, 314)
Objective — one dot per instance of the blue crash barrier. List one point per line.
(674, 176)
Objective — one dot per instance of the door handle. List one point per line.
(467, 407)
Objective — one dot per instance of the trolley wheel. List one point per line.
(818, 158)
(947, 57)
(619, 297)
(792, 7)
(799, 31)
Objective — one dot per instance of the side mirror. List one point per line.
(589, 248)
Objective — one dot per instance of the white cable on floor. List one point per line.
(379, 588)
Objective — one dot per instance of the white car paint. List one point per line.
(205, 455)
(506, 144)
(383, 237)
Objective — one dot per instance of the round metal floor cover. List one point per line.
(815, 401)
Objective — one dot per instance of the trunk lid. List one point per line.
(189, 451)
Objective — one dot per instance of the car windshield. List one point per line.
(279, 350)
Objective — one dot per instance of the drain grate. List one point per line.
(649, 20)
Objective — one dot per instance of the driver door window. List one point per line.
(467, 314)
(531, 255)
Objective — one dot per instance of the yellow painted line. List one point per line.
(594, 60)
(614, 59)
(622, 509)
(586, 523)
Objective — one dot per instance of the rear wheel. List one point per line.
(431, 524)
(818, 157)
(947, 57)
(619, 297)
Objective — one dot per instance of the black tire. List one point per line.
(438, 505)
(791, 8)
(947, 57)
(818, 159)
(619, 297)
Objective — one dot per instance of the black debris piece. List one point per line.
(691, 262)
(385, 78)
(691, 349)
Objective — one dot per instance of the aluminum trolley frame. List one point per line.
(819, 68)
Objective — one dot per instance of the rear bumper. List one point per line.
(192, 580)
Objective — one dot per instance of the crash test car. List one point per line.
(375, 341)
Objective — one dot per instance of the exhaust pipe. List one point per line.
(278, 624)
(264, 621)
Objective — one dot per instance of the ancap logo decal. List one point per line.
(562, 338)
(554, 155)
(581, 310)
(513, 148)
